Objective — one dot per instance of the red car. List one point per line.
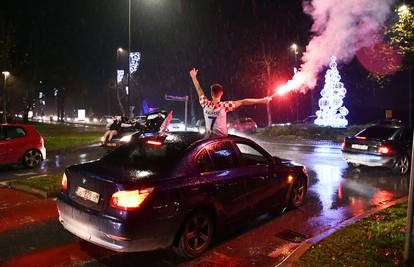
(21, 143)
(245, 125)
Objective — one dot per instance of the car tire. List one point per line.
(297, 193)
(402, 165)
(353, 165)
(196, 235)
(32, 158)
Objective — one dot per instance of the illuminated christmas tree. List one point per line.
(331, 112)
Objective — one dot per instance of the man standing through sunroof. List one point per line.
(215, 110)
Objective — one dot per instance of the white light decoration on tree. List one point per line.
(331, 112)
(134, 58)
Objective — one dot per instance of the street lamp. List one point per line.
(294, 48)
(5, 74)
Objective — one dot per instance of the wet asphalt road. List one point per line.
(336, 193)
(55, 163)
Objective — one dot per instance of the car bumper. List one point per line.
(43, 151)
(369, 159)
(108, 233)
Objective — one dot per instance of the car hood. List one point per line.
(286, 162)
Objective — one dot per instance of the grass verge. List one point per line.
(48, 183)
(311, 132)
(376, 240)
(58, 136)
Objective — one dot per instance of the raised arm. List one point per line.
(252, 101)
(193, 74)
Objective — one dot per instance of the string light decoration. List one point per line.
(134, 59)
(119, 75)
(331, 111)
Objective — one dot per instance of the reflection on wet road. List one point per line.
(338, 192)
(55, 163)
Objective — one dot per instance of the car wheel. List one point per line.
(196, 235)
(298, 192)
(353, 165)
(32, 158)
(402, 166)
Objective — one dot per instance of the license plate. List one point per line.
(87, 194)
(362, 147)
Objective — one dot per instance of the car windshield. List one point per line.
(378, 132)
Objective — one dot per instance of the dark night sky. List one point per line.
(73, 44)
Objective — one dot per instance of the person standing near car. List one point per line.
(215, 110)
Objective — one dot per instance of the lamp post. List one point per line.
(294, 48)
(129, 51)
(403, 10)
(5, 74)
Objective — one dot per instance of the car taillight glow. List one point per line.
(64, 185)
(384, 150)
(129, 200)
(360, 137)
(154, 142)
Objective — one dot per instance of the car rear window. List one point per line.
(143, 156)
(378, 132)
(158, 157)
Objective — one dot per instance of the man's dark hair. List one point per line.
(216, 89)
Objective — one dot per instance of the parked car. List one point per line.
(380, 145)
(244, 125)
(175, 191)
(176, 125)
(21, 143)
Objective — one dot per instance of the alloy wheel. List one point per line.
(298, 192)
(32, 158)
(403, 165)
(196, 235)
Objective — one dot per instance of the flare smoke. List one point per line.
(340, 28)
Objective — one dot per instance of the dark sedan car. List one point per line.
(380, 145)
(175, 191)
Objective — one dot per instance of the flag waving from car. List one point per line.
(166, 123)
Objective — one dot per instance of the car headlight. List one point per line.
(126, 138)
(202, 130)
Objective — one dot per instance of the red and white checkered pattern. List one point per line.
(227, 105)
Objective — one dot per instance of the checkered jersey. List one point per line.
(228, 106)
(215, 116)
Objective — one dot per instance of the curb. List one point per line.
(31, 190)
(302, 248)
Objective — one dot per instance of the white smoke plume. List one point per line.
(340, 28)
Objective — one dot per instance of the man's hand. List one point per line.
(193, 73)
(267, 99)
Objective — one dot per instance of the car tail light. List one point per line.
(154, 142)
(129, 200)
(343, 145)
(64, 185)
(360, 137)
(385, 150)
